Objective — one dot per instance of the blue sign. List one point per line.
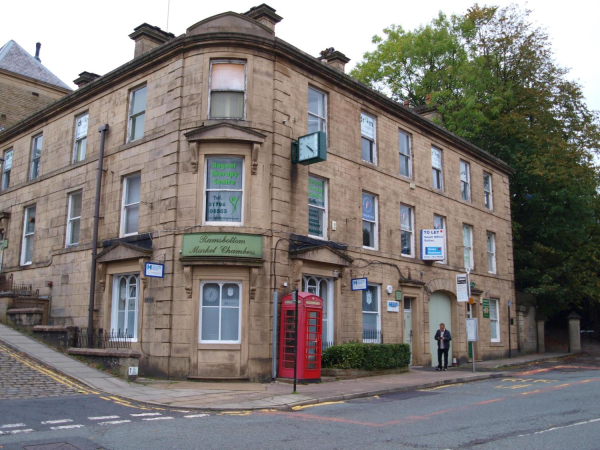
(154, 270)
(359, 284)
(368, 207)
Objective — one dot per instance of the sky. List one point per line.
(94, 37)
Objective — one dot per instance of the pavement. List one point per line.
(224, 396)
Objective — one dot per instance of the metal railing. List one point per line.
(7, 284)
(102, 339)
(373, 336)
(325, 345)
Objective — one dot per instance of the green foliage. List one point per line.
(356, 355)
(492, 77)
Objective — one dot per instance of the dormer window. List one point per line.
(227, 90)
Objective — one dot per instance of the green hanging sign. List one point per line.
(486, 308)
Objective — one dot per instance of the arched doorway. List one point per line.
(440, 311)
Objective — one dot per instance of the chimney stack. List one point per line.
(85, 78)
(147, 37)
(264, 15)
(38, 46)
(334, 58)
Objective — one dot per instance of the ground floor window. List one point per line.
(220, 312)
(323, 287)
(494, 320)
(124, 321)
(371, 313)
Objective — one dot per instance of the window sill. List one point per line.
(217, 346)
(496, 344)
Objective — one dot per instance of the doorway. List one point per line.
(439, 312)
(408, 333)
(322, 287)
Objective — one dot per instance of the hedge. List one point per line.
(356, 355)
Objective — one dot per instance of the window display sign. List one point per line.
(368, 207)
(224, 189)
(316, 207)
(367, 126)
(462, 288)
(222, 244)
(433, 245)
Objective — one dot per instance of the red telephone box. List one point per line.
(310, 320)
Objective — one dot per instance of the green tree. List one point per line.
(492, 77)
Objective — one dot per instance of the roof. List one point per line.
(13, 58)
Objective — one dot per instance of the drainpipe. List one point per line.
(103, 130)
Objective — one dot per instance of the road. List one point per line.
(547, 406)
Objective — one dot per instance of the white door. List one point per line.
(323, 287)
(439, 312)
(408, 325)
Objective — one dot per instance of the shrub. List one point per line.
(356, 355)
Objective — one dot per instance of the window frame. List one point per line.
(466, 182)
(241, 300)
(437, 173)
(325, 208)
(491, 234)
(444, 227)
(496, 320)
(205, 191)
(131, 116)
(325, 110)
(74, 159)
(6, 183)
(124, 207)
(469, 247)
(488, 194)
(372, 141)
(328, 304)
(407, 156)
(70, 219)
(33, 160)
(114, 313)
(378, 313)
(376, 221)
(211, 90)
(411, 211)
(26, 216)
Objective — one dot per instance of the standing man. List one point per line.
(443, 338)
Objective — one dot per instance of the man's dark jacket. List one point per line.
(447, 337)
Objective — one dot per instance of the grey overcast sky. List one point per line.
(93, 36)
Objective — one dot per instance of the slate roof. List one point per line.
(13, 58)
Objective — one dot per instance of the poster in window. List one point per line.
(368, 207)
(436, 158)
(367, 126)
(224, 190)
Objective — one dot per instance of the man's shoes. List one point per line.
(445, 368)
(439, 368)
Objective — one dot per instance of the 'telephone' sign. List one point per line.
(433, 246)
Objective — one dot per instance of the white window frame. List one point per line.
(411, 211)
(495, 322)
(5, 170)
(114, 320)
(243, 191)
(131, 116)
(372, 140)
(124, 207)
(408, 156)
(437, 172)
(26, 235)
(312, 284)
(491, 253)
(324, 118)
(445, 260)
(81, 139)
(210, 89)
(71, 219)
(34, 141)
(376, 222)
(325, 208)
(465, 182)
(378, 300)
(487, 195)
(221, 283)
(468, 247)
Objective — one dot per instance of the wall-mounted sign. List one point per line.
(399, 296)
(462, 288)
(393, 306)
(310, 149)
(472, 333)
(222, 244)
(433, 245)
(486, 308)
(154, 270)
(359, 284)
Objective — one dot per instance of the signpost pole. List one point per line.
(509, 346)
(473, 356)
(295, 298)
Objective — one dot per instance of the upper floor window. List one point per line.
(468, 246)
(407, 228)
(369, 215)
(28, 233)
(74, 218)
(439, 223)
(81, 131)
(465, 180)
(36, 156)
(367, 132)
(317, 207)
(437, 169)
(130, 209)
(6, 168)
(224, 187)
(487, 189)
(405, 154)
(491, 252)
(227, 89)
(317, 110)
(137, 114)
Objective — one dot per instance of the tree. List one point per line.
(492, 77)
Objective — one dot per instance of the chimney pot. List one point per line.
(334, 58)
(148, 37)
(264, 15)
(85, 78)
(38, 46)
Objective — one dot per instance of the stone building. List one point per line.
(200, 137)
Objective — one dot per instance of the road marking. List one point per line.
(560, 428)
(160, 418)
(48, 422)
(145, 414)
(66, 427)
(13, 425)
(114, 422)
(29, 430)
(443, 386)
(104, 417)
(531, 392)
(196, 415)
(298, 408)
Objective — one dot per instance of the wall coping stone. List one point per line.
(25, 311)
(53, 328)
(114, 352)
